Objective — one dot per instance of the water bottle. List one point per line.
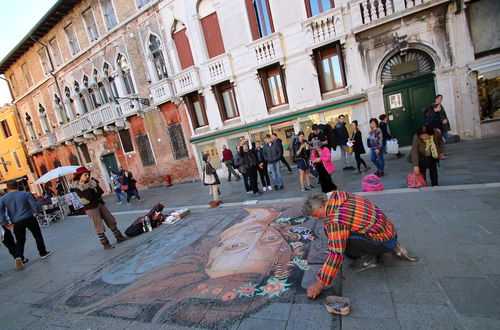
(144, 226)
(148, 224)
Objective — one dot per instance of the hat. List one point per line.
(81, 170)
(317, 144)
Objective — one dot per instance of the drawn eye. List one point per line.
(270, 238)
(236, 245)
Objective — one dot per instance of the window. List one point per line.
(59, 109)
(126, 140)
(88, 18)
(5, 129)
(259, 15)
(69, 103)
(142, 3)
(158, 59)
(44, 60)
(73, 160)
(83, 103)
(109, 14)
(13, 84)
(145, 151)
(103, 94)
(182, 44)
(224, 94)
(16, 159)
(316, 7)
(211, 29)
(177, 142)
(330, 68)
(74, 47)
(27, 74)
(92, 97)
(54, 49)
(111, 81)
(85, 153)
(57, 163)
(4, 164)
(44, 121)
(196, 109)
(273, 83)
(126, 74)
(43, 169)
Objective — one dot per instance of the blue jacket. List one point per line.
(19, 205)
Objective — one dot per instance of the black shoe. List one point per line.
(399, 155)
(46, 254)
(258, 193)
(364, 263)
(401, 252)
(276, 188)
(25, 260)
(346, 168)
(350, 168)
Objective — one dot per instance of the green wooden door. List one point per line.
(405, 102)
(109, 161)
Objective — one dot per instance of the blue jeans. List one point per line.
(133, 192)
(119, 194)
(275, 169)
(378, 160)
(446, 136)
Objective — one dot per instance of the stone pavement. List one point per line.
(190, 274)
(467, 162)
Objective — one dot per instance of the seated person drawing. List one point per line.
(252, 260)
(356, 228)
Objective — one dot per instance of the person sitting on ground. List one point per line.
(322, 160)
(426, 151)
(210, 178)
(356, 228)
(303, 155)
(90, 194)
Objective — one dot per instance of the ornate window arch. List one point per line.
(404, 65)
(107, 71)
(83, 108)
(126, 73)
(210, 27)
(103, 94)
(156, 50)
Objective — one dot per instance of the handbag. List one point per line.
(124, 187)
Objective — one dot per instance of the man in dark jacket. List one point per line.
(443, 118)
(262, 167)
(386, 131)
(341, 138)
(272, 154)
(250, 164)
(277, 140)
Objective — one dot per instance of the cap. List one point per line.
(317, 144)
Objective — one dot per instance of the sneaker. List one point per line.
(351, 168)
(19, 264)
(46, 254)
(269, 188)
(311, 187)
(401, 252)
(25, 260)
(357, 172)
(304, 189)
(364, 263)
(276, 188)
(118, 203)
(367, 168)
(264, 188)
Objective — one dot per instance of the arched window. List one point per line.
(69, 103)
(106, 69)
(61, 115)
(211, 28)
(158, 59)
(405, 65)
(103, 94)
(29, 125)
(83, 103)
(44, 121)
(182, 44)
(261, 20)
(126, 74)
(91, 93)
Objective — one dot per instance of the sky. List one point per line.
(17, 18)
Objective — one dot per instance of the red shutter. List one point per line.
(252, 19)
(213, 36)
(183, 49)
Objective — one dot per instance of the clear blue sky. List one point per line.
(16, 19)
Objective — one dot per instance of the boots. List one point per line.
(119, 237)
(401, 252)
(106, 245)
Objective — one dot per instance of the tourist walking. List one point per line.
(227, 159)
(90, 194)
(303, 155)
(341, 138)
(426, 150)
(277, 140)
(20, 206)
(386, 132)
(272, 155)
(117, 187)
(358, 146)
(210, 178)
(376, 145)
(322, 160)
(443, 118)
(129, 181)
(238, 162)
(262, 167)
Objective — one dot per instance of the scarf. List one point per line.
(430, 148)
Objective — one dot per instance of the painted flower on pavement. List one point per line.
(247, 290)
(229, 296)
(274, 287)
(302, 264)
(216, 291)
(279, 220)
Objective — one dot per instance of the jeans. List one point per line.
(275, 169)
(119, 194)
(345, 155)
(358, 245)
(20, 232)
(246, 182)
(132, 192)
(378, 160)
(446, 136)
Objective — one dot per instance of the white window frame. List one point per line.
(27, 74)
(89, 9)
(56, 53)
(71, 26)
(108, 28)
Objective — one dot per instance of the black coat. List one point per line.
(341, 134)
(358, 146)
(385, 131)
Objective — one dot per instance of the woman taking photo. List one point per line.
(376, 145)
(303, 154)
(426, 150)
(321, 159)
(358, 147)
(211, 179)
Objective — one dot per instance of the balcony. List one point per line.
(216, 69)
(59, 134)
(161, 91)
(48, 141)
(324, 28)
(366, 14)
(129, 107)
(266, 50)
(187, 81)
(33, 147)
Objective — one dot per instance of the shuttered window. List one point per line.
(212, 34)
(145, 150)
(183, 49)
(177, 142)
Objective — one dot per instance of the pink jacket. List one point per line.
(326, 159)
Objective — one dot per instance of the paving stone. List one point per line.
(486, 256)
(304, 316)
(472, 296)
(252, 324)
(480, 323)
(275, 311)
(20, 321)
(427, 316)
(369, 323)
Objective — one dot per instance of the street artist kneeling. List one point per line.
(356, 228)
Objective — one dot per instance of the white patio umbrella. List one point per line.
(57, 173)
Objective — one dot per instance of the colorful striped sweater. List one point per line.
(348, 213)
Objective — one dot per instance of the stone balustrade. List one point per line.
(266, 50)
(216, 69)
(161, 91)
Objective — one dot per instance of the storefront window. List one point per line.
(307, 121)
(331, 117)
(211, 149)
(259, 134)
(234, 140)
(488, 87)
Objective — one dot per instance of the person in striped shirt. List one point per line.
(356, 228)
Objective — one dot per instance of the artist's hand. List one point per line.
(416, 169)
(445, 121)
(9, 226)
(314, 290)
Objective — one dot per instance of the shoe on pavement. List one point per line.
(25, 260)
(367, 168)
(310, 187)
(264, 188)
(258, 193)
(401, 252)
(249, 192)
(118, 203)
(304, 189)
(345, 168)
(269, 188)
(364, 263)
(46, 254)
(19, 264)
(276, 188)
(351, 168)
(357, 172)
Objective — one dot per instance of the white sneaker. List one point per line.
(269, 188)
(118, 203)
(264, 188)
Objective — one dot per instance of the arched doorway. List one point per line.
(408, 80)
